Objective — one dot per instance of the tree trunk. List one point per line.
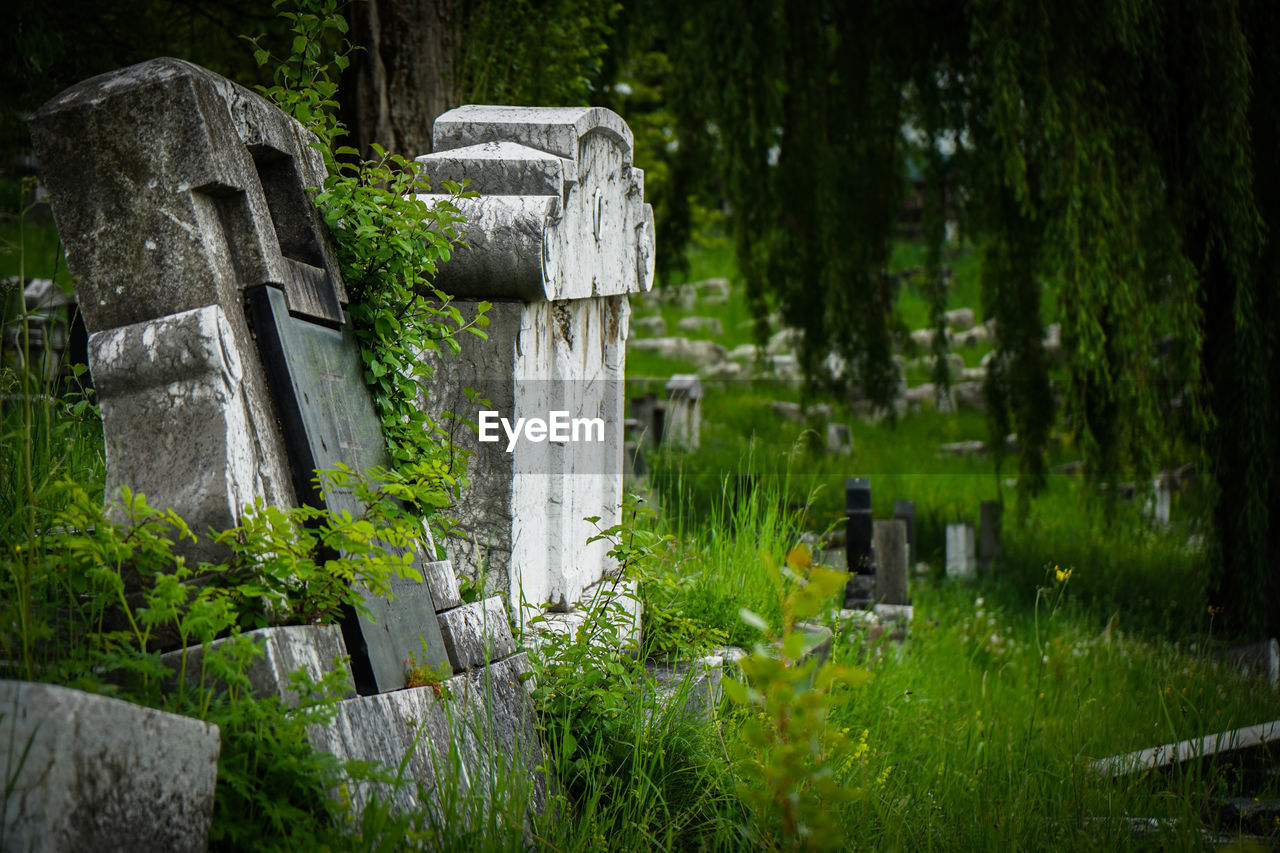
(403, 77)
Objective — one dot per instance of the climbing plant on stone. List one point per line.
(389, 244)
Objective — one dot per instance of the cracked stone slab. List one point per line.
(454, 739)
(477, 633)
(315, 649)
(91, 772)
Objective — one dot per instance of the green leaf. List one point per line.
(753, 620)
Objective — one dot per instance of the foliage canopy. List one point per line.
(1118, 154)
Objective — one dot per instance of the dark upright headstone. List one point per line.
(860, 591)
(990, 533)
(905, 510)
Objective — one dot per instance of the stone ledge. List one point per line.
(317, 649)
(622, 592)
(463, 734)
(95, 773)
(443, 583)
(477, 633)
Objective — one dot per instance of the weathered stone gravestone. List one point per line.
(839, 438)
(225, 364)
(557, 239)
(961, 560)
(683, 426)
(889, 543)
(649, 416)
(46, 336)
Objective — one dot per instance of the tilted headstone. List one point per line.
(225, 364)
(557, 238)
(889, 542)
(683, 425)
(990, 533)
(961, 562)
(906, 511)
(860, 589)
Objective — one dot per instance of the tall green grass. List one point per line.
(976, 734)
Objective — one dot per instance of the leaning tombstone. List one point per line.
(684, 411)
(961, 561)
(224, 359)
(860, 588)
(889, 543)
(990, 533)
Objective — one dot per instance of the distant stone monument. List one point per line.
(889, 542)
(990, 534)
(683, 427)
(961, 560)
(557, 239)
(906, 511)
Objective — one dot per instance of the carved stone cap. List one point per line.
(556, 130)
(175, 188)
(561, 212)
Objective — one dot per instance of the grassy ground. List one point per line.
(1092, 637)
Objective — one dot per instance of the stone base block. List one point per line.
(694, 684)
(619, 597)
(317, 649)
(440, 578)
(473, 734)
(93, 773)
(476, 633)
(860, 591)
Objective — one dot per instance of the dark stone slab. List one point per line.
(315, 373)
(890, 546)
(990, 533)
(906, 511)
(858, 554)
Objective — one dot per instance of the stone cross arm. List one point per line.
(560, 212)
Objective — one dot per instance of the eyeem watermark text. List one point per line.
(556, 427)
